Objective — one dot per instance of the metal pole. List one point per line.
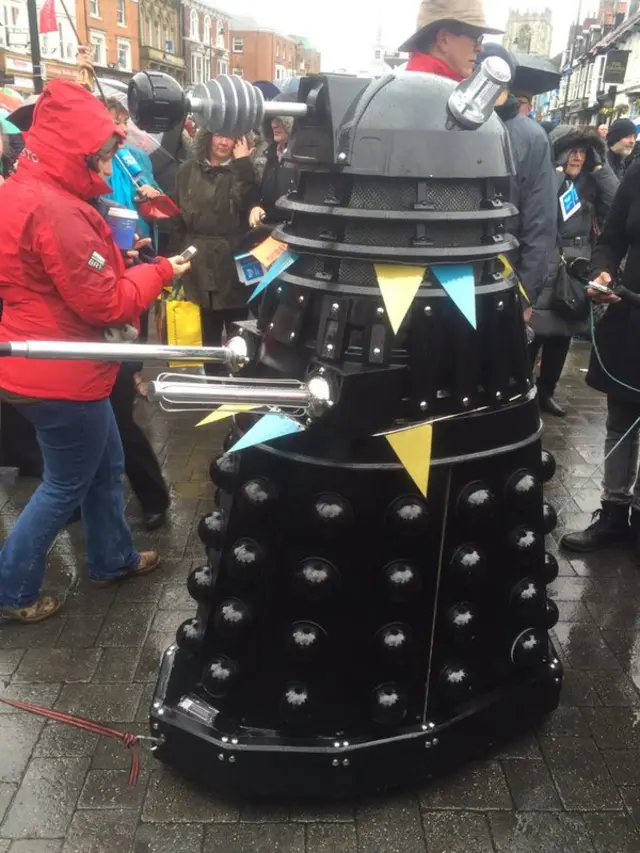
(81, 351)
(571, 57)
(34, 36)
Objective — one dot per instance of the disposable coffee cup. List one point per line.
(123, 224)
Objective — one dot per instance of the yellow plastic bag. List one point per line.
(183, 327)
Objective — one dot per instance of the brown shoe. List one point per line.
(44, 607)
(148, 562)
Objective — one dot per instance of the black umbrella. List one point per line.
(534, 74)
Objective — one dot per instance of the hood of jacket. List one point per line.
(510, 109)
(69, 125)
(564, 137)
(287, 121)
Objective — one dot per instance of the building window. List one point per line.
(94, 8)
(238, 71)
(238, 45)
(196, 68)
(99, 44)
(194, 25)
(158, 36)
(206, 36)
(124, 54)
(168, 44)
(223, 66)
(121, 13)
(220, 36)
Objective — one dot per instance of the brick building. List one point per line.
(113, 33)
(161, 42)
(206, 40)
(58, 50)
(259, 53)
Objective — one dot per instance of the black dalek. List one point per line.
(352, 634)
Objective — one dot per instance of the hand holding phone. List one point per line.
(600, 290)
(189, 253)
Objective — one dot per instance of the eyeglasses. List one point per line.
(463, 30)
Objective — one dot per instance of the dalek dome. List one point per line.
(402, 126)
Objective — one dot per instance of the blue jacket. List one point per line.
(130, 163)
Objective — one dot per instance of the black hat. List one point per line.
(619, 129)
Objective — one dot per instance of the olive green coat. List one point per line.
(214, 202)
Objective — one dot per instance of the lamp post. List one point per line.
(34, 37)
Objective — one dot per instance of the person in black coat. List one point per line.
(614, 369)
(278, 176)
(580, 159)
(621, 140)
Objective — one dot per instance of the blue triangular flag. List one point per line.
(266, 429)
(279, 266)
(459, 282)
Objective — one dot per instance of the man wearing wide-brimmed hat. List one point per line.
(448, 38)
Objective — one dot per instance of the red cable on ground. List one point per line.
(131, 742)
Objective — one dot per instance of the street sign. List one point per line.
(615, 68)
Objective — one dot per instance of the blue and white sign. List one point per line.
(569, 202)
(250, 270)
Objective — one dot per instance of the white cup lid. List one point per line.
(122, 213)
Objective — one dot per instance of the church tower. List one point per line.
(529, 32)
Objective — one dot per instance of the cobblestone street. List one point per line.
(570, 786)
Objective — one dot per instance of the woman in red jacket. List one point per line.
(62, 277)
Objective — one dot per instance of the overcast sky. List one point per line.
(345, 30)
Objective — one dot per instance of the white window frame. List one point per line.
(197, 68)
(238, 41)
(238, 71)
(194, 26)
(124, 43)
(206, 34)
(95, 4)
(223, 66)
(121, 5)
(99, 38)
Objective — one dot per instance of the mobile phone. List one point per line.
(600, 288)
(189, 253)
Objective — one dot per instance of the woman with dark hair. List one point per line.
(586, 187)
(62, 277)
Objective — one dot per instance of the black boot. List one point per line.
(635, 531)
(609, 526)
(549, 404)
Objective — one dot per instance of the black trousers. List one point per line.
(140, 462)
(20, 447)
(554, 355)
(213, 324)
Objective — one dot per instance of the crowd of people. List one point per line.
(64, 276)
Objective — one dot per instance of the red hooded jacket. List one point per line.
(62, 276)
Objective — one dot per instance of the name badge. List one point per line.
(569, 203)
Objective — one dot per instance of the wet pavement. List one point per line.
(570, 786)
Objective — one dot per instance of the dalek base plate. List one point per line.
(252, 763)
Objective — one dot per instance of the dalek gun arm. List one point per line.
(313, 397)
(233, 355)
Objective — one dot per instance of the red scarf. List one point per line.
(432, 65)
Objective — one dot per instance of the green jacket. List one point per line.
(215, 204)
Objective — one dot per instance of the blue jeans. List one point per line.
(83, 466)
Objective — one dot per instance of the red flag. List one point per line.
(48, 22)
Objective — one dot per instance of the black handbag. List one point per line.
(569, 300)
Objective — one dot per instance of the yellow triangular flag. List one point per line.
(225, 411)
(413, 449)
(398, 285)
